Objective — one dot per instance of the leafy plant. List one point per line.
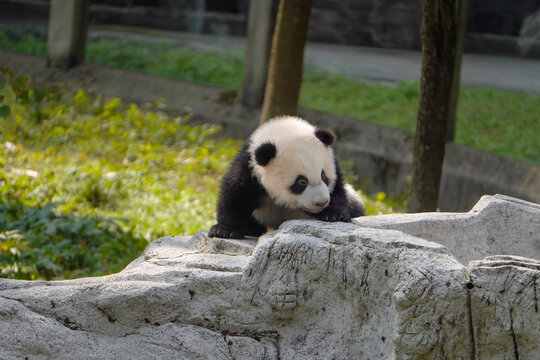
(39, 243)
(19, 86)
(84, 163)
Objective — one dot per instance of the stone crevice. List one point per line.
(513, 333)
(472, 337)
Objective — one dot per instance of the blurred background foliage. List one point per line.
(502, 122)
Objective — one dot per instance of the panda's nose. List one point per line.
(321, 204)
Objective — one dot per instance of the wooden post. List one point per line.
(66, 39)
(261, 22)
(461, 10)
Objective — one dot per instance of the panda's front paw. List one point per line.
(333, 216)
(226, 231)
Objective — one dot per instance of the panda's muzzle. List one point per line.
(315, 209)
(315, 198)
(317, 206)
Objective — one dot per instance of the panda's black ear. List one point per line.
(264, 153)
(327, 137)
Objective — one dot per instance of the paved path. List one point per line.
(498, 72)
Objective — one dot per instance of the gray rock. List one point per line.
(311, 290)
(40, 337)
(496, 225)
(504, 307)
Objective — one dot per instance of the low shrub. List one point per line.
(42, 243)
(86, 181)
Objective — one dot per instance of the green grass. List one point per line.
(25, 39)
(208, 67)
(500, 122)
(504, 123)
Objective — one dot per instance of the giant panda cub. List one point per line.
(286, 170)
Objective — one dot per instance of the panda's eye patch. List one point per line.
(324, 178)
(299, 185)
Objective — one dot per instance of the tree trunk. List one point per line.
(461, 13)
(439, 44)
(286, 59)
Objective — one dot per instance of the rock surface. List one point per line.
(310, 290)
(496, 225)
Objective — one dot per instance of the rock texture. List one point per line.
(310, 290)
(504, 307)
(496, 225)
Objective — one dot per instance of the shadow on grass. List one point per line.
(41, 243)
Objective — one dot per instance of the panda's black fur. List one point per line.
(247, 208)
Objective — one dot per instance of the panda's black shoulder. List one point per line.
(240, 171)
(239, 190)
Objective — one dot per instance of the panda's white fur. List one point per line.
(273, 215)
(299, 151)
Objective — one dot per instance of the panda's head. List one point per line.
(294, 162)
